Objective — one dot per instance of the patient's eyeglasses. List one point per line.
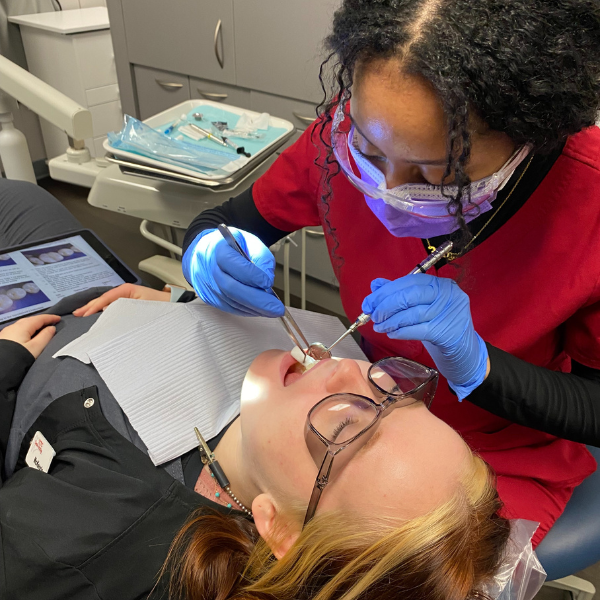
(348, 421)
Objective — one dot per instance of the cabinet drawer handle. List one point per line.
(218, 29)
(212, 95)
(304, 119)
(169, 85)
(317, 234)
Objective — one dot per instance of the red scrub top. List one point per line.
(534, 287)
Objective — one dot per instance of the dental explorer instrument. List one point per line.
(319, 351)
(297, 337)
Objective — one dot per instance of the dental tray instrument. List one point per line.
(319, 351)
(292, 328)
(210, 136)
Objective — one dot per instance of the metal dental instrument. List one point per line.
(208, 458)
(238, 149)
(319, 351)
(209, 135)
(289, 324)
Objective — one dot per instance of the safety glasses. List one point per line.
(346, 421)
(420, 199)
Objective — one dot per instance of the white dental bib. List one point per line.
(173, 367)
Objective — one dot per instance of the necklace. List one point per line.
(452, 255)
(208, 458)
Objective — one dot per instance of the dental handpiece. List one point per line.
(422, 267)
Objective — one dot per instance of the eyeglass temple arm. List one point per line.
(320, 484)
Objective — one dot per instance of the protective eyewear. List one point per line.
(347, 421)
(422, 199)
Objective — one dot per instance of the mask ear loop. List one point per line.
(510, 166)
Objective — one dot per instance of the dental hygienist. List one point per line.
(496, 100)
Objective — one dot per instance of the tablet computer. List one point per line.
(35, 276)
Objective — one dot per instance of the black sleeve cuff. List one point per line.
(561, 404)
(240, 212)
(15, 361)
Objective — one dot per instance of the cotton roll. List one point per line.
(305, 360)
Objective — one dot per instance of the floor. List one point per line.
(118, 231)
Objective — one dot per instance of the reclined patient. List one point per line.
(410, 508)
(409, 513)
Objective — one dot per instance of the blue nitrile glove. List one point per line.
(435, 311)
(225, 279)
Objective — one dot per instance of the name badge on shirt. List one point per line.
(40, 453)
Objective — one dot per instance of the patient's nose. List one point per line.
(348, 377)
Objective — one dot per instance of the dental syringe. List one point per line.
(318, 351)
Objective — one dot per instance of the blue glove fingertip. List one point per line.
(276, 309)
(377, 283)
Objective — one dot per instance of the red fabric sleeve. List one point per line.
(287, 195)
(582, 332)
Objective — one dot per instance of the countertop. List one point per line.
(66, 22)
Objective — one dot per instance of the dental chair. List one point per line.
(573, 543)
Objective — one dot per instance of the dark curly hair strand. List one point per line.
(527, 68)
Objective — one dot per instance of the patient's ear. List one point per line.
(279, 534)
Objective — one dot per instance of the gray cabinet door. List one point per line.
(301, 114)
(159, 90)
(203, 89)
(194, 37)
(278, 45)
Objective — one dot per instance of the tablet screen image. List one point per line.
(23, 294)
(6, 260)
(35, 277)
(53, 254)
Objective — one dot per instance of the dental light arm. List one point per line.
(49, 104)
(45, 101)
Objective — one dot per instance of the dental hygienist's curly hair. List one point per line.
(528, 68)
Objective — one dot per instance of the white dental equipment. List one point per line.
(49, 104)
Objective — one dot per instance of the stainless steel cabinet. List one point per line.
(159, 90)
(278, 45)
(194, 37)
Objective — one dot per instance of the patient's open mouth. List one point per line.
(294, 372)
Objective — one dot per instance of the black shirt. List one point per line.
(99, 524)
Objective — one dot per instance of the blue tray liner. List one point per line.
(203, 156)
